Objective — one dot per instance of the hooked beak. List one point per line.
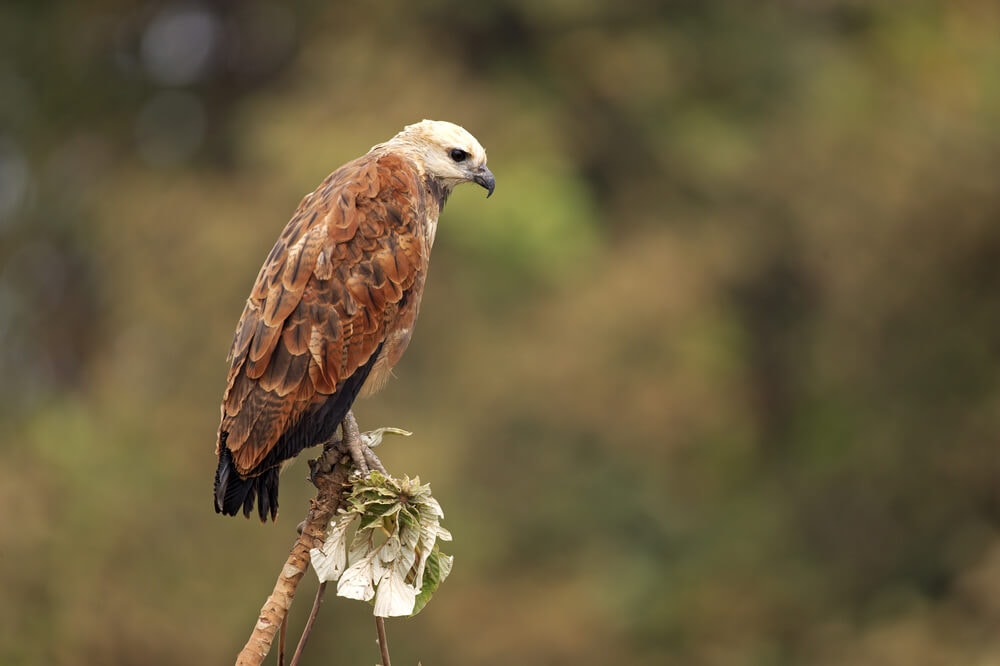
(484, 178)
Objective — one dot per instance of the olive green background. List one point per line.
(712, 379)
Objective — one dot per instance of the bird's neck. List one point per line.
(437, 196)
(439, 190)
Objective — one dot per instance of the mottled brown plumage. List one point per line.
(334, 305)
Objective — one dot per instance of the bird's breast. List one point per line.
(399, 322)
(393, 348)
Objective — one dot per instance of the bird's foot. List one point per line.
(356, 444)
(359, 445)
(333, 452)
(358, 448)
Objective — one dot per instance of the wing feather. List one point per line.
(295, 335)
(262, 344)
(279, 304)
(241, 341)
(330, 293)
(302, 262)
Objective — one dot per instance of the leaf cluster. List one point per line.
(392, 559)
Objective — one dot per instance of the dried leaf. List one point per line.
(393, 558)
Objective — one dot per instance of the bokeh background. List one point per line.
(712, 379)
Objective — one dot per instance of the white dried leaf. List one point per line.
(330, 560)
(397, 528)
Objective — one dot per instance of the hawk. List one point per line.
(334, 305)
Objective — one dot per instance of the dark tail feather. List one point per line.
(233, 493)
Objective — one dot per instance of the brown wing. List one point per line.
(330, 292)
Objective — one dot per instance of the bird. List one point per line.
(333, 307)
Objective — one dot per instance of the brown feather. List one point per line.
(261, 347)
(295, 335)
(328, 295)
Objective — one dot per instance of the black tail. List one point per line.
(233, 493)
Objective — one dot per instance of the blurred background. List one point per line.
(712, 379)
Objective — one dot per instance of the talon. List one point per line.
(373, 461)
(354, 444)
(359, 448)
(327, 460)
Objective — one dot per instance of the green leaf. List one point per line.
(393, 559)
(438, 568)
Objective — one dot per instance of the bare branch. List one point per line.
(309, 624)
(383, 645)
(331, 480)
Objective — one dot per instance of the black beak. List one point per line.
(484, 178)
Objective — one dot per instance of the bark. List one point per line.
(331, 481)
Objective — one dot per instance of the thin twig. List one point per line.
(331, 480)
(309, 624)
(383, 646)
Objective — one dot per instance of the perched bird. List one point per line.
(334, 305)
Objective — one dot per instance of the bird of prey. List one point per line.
(334, 305)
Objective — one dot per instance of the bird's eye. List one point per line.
(459, 155)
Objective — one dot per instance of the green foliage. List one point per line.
(393, 559)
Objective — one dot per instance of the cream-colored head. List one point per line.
(446, 152)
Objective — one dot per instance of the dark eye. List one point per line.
(459, 155)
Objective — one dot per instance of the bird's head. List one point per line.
(447, 153)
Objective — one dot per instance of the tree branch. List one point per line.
(331, 479)
(309, 624)
(383, 645)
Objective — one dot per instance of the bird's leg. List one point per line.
(352, 442)
(364, 458)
